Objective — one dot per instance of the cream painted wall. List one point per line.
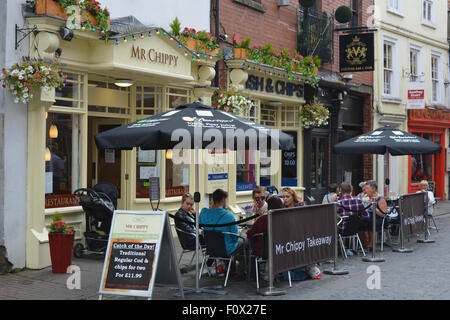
(191, 13)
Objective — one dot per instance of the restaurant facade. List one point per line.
(109, 84)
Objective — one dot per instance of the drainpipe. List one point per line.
(217, 32)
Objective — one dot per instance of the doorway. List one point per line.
(107, 165)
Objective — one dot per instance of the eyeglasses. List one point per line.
(259, 198)
(286, 189)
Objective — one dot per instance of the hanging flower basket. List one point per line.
(61, 238)
(229, 101)
(314, 115)
(22, 80)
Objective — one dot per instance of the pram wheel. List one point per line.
(78, 250)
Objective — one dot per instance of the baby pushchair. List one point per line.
(99, 204)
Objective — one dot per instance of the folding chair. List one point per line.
(350, 232)
(264, 257)
(216, 249)
(185, 247)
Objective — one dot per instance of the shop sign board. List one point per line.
(416, 95)
(302, 236)
(279, 87)
(140, 254)
(356, 52)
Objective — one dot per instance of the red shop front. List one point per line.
(429, 124)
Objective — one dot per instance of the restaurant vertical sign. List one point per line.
(356, 52)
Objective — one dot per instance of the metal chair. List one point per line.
(431, 215)
(216, 249)
(264, 257)
(387, 228)
(350, 232)
(185, 248)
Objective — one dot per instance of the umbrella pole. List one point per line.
(197, 197)
(374, 234)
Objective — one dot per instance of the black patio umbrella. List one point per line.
(217, 128)
(387, 139)
(203, 127)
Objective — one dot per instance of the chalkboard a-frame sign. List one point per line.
(140, 253)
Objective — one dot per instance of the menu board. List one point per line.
(134, 246)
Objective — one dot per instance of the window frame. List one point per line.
(395, 10)
(431, 22)
(418, 50)
(439, 80)
(393, 43)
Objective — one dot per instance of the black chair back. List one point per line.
(352, 226)
(265, 247)
(215, 244)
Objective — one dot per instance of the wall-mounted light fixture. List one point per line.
(169, 154)
(48, 155)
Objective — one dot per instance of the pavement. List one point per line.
(421, 274)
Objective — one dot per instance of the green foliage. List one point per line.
(245, 44)
(59, 226)
(343, 14)
(175, 27)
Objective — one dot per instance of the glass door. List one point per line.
(107, 165)
(319, 167)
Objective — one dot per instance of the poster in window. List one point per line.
(146, 156)
(289, 163)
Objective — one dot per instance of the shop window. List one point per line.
(265, 168)
(245, 170)
(72, 94)
(252, 113)
(62, 160)
(148, 100)
(319, 163)
(423, 166)
(177, 176)
(177, 97)
(289, 164)
(147, 166)
(106, 97)
(269, 115)
(289, 117)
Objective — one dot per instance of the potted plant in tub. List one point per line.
(60, 238)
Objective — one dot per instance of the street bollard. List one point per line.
(374, 235)
(425, 215)
(402, 248)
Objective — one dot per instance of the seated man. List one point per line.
(259, 201)
(349, 206)
(217, 214)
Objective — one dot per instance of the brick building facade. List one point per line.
(265, 21)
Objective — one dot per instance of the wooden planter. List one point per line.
(190, 43)
(240, 53)
(61, 245)
(52, 8)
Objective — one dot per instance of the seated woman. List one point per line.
(423, 185)
(381, 211)
(260, 225)
(183, 216)
(291, 199)
(331, 196)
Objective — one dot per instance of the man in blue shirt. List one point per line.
(217, 214)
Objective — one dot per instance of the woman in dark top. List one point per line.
(183, 216)
(260, 225)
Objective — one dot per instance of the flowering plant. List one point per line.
(59, 226)
(227, 100)
(314, 115)
(22, 79)
(206, 39)
(86, 6)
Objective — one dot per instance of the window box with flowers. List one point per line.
(307, 66)
(314, 115)
(26, 79)
(199, 41)
(230, 101)
(91, 13)
(60, 238)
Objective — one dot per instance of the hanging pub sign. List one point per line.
(356, 52)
